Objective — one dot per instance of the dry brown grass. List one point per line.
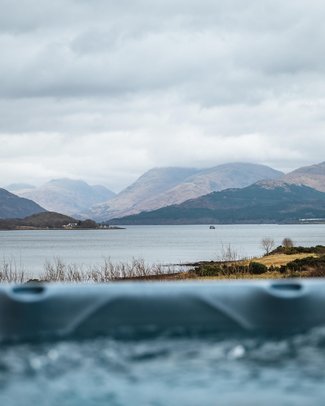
(278, 259)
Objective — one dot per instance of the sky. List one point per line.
(105, 90)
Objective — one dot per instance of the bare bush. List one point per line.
(58, 271)
(109, 271)
(228, 254)
(10, 273)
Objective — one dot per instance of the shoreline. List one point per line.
(290, 262)
(26, 228)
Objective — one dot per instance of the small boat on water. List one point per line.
(212, 227)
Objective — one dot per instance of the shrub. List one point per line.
(318, 249)
(215, 270)
(317, 273)
(306, 264)
(283, 269)
(220, 269)
(274, 268)
(314, 265)
(256, 268)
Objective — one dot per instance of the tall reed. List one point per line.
(58, 271)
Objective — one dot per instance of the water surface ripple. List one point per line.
(166, 371)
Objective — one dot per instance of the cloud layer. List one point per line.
(104, 90)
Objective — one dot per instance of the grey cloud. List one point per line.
(106, 89)
(108, 49)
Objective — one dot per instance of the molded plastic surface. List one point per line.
(62, 310)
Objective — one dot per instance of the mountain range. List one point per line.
(262, 202)
(174, 187)
(162, 187)
(67, 196)
(288, 198)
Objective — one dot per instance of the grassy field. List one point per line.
(278, 259)
(297, 262)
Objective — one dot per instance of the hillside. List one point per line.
(312, 176)
(133, 199)
(233, 175)
(46, 220)
(12, 206)
(166, 186)
(258, 203)
(67, 196)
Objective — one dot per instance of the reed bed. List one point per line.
(11, 272)
(58, 271)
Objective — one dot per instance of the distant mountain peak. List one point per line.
(165, 186)
(316, 169)
(68, 196)
(313, 176)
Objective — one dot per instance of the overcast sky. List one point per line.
(104, 90)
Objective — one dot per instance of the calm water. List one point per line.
(155, 244)
(171, 372)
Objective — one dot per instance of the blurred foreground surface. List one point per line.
(166, 371)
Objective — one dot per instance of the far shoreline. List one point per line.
(61, 229)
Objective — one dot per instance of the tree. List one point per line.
(287, 243)
(267, 244)
(88, 224)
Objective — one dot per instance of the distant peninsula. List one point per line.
(52, 221)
